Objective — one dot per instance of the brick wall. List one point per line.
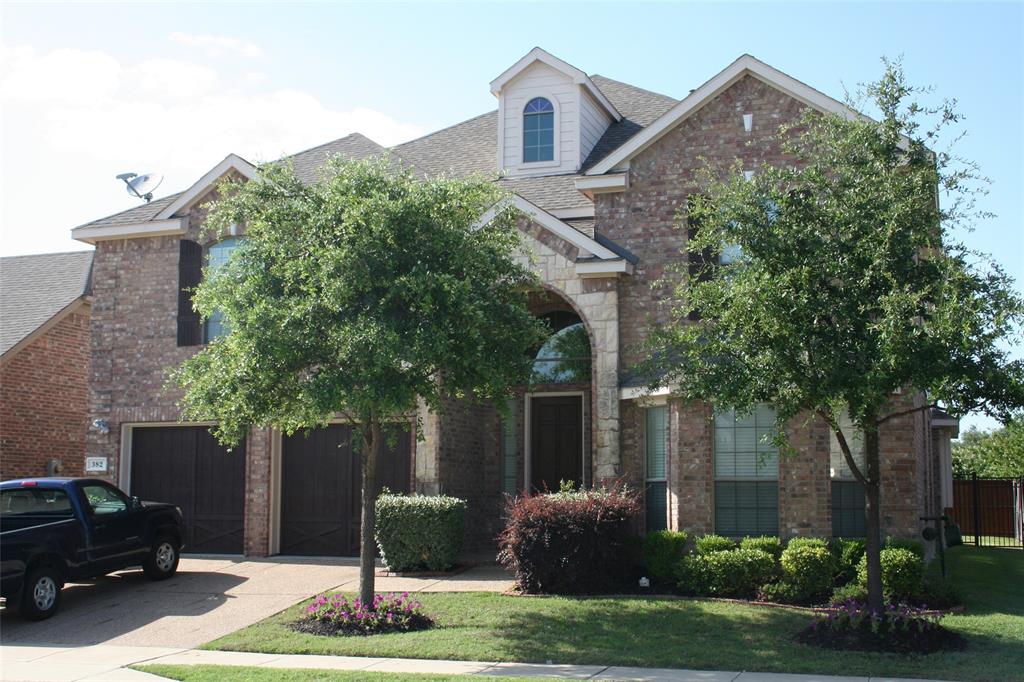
(644, 218)
(43, 401)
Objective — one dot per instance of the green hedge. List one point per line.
(808, 569)
(419, 532)
(708, 544)
(902, 573)
(663, 549)
(765, 543)
(731, 573)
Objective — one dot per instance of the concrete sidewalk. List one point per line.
(108, 662)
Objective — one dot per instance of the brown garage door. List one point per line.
(320, 480)
(185, 466)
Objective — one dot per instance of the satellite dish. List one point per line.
(141, 186)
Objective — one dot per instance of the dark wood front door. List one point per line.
(185, 466)
(321, 476)
(556, 442)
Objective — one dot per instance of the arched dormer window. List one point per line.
(538, 131)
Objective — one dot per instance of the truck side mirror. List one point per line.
(136, 502)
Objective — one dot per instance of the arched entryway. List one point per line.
(557, 399)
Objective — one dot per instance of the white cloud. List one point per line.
(217, 46)
(72, 119)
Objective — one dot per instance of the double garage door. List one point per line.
(319, 487)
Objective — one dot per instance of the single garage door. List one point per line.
(320, 489)
(185, 466)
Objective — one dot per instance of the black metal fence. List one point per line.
(990, 511)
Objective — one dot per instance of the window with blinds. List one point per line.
(656, 446)
(746, 465)
(847, 493)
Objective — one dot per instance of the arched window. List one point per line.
(564, 358)
(216, 257)
(538, 131)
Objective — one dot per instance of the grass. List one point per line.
(231, 673)
(704, 635)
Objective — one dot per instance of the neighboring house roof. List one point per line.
(36, 289)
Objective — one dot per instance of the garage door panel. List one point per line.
(185, 466)
(320, 489)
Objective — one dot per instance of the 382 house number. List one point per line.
(96, 464)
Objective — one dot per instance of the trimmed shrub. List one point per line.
(708, 544)
(569, 543)
(663, 549)
(780, 593)
(849, 592)
(847, 554)
(419, 532)
(765, 543)
(915, 546)
(807, 542)
(902, 573)
(808, 568)
(735, 573)
(938, 593)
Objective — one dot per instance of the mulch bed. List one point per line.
(329, 628)
(933, 639)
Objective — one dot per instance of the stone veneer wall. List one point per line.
(44, 399)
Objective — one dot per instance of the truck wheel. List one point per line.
(162, 561)
(42, 593)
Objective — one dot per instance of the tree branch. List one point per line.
(845, 447)
(901, 413)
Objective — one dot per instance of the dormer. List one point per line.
(550, 116)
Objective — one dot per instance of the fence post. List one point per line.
(976, 504)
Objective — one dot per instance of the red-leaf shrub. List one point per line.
(569, 542)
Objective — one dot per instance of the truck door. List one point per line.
(116, 538)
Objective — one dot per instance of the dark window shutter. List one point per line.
(190, 273)
(700, 263)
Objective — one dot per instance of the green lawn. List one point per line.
(231, 673)
(680, 634)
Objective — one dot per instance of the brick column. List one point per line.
(804, 481)
(258, 481)
(691, 473)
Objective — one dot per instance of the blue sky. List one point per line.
(91, 90)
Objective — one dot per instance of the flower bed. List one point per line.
(899, 628)
(331, 613)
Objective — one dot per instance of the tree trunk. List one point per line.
(367, 545)
(873, 517)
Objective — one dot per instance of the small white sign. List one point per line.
(96, 464)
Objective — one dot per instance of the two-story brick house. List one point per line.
(601, 168)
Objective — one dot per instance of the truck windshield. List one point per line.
(34, 502)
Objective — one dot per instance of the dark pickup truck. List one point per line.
(53, 530)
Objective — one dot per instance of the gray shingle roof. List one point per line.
(307, 164)
(136, 214)
(639, 109)
(466, 148)
(35, 288)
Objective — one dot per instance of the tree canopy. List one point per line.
(998, 453)
(360, 295)
(843, 284)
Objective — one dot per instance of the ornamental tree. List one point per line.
(359, 295)
(844, 286)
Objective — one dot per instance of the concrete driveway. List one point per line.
(208, 598)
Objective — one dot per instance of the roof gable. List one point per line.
(745, 65)
(579, 77)
(231, 162)
(36, 289)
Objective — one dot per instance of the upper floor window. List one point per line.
(217, 256)
(538, 131)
